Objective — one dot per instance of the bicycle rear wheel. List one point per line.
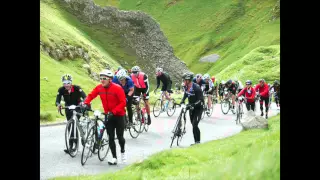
(157, 108)
(176, 129)
(88, 146)
(103, 146)
(68, 137)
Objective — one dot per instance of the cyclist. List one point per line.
(198, 79)
(166, 82)
(231, 86)
(239, 85)
(126, 83)
(209, 88)
(276, 88)
(263, 89)
(195, 99)
(249, 94)
(72, 95)
(114, 102)
(141, 85)
(220, 89)
(215, 84)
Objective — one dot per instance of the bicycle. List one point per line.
(79, 127)
(164, 107)
(180, 127)
(239, 108)
(226, 103)
(141, 117)
(206, 106)
(132, 128)
(96, 140)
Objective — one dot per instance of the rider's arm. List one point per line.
(265, 91)
(241, 92)
(93, 94)
(59, 95)
(146, 81)
(122, 102)
(82, 94)
(131, 87)
(158, 82)
(184, 97)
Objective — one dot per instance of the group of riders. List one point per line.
(117, 89)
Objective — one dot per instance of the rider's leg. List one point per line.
(119, 130)
(248, 106)
(110, 124)
(266, 103)
(69, 114)
(209, 101)
(147, 105)
(233, 100)
(129, 108)
(261, 105)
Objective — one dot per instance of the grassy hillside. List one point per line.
(230, 28)
(253, 154)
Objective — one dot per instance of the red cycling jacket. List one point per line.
(264, 91)
(113, 98)
(250, 96)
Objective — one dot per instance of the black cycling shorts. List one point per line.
(206, 91)
(138, 91)
(167, 88)
(233, 91)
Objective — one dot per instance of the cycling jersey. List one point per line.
(194, 95)
(127, 86)
(139, 83)
(112, 97)
(263, 90)
(166, 81)
(249, 93)
(74, 98)
(232, 88)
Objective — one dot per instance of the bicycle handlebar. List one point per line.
(67, 107)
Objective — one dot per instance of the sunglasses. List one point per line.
(104, 78)
(135, 72)
(66, 83)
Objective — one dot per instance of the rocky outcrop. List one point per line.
(210, 58)
(251, 121)
(139, 31)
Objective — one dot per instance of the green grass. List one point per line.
(252, 154)
(230, 28)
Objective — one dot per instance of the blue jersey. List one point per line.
(201, 83)
(129, 84)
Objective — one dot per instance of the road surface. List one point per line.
(55, 162)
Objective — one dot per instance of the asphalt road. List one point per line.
(55, 162)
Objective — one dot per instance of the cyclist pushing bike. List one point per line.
(72, 95)
(194, 94)
(114, 102)
(249, 94)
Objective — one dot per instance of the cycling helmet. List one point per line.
(206, 76)
(249, 82)
(135, 69)
(187, 76)
(107, 73)
(213, 78)
(261, 80)
(159, 70)
(120, 67)
(67, 78)
(223, 82)
(276, 82)
(229, 81)
(199, 76)
(121, 74)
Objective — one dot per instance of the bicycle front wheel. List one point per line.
(88, 146)
(103, 146)
(225, 106)
(135, 129)
(157, 108)
(171, 108)
(70, 139)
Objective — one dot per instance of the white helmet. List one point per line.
(159, 70)
(223, 82)
(121, 74)
(206, 76)
(135, 69)
(106, 72)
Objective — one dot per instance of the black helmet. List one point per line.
(249, 82)
(276, 82)
(229, 81)
(187, 76)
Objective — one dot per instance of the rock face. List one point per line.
(210, 58)
(251, 121)
(139, 31)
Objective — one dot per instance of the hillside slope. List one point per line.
(229, 28)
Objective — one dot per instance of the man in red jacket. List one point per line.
(263, 89)
(250, 94)
(114, 102)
